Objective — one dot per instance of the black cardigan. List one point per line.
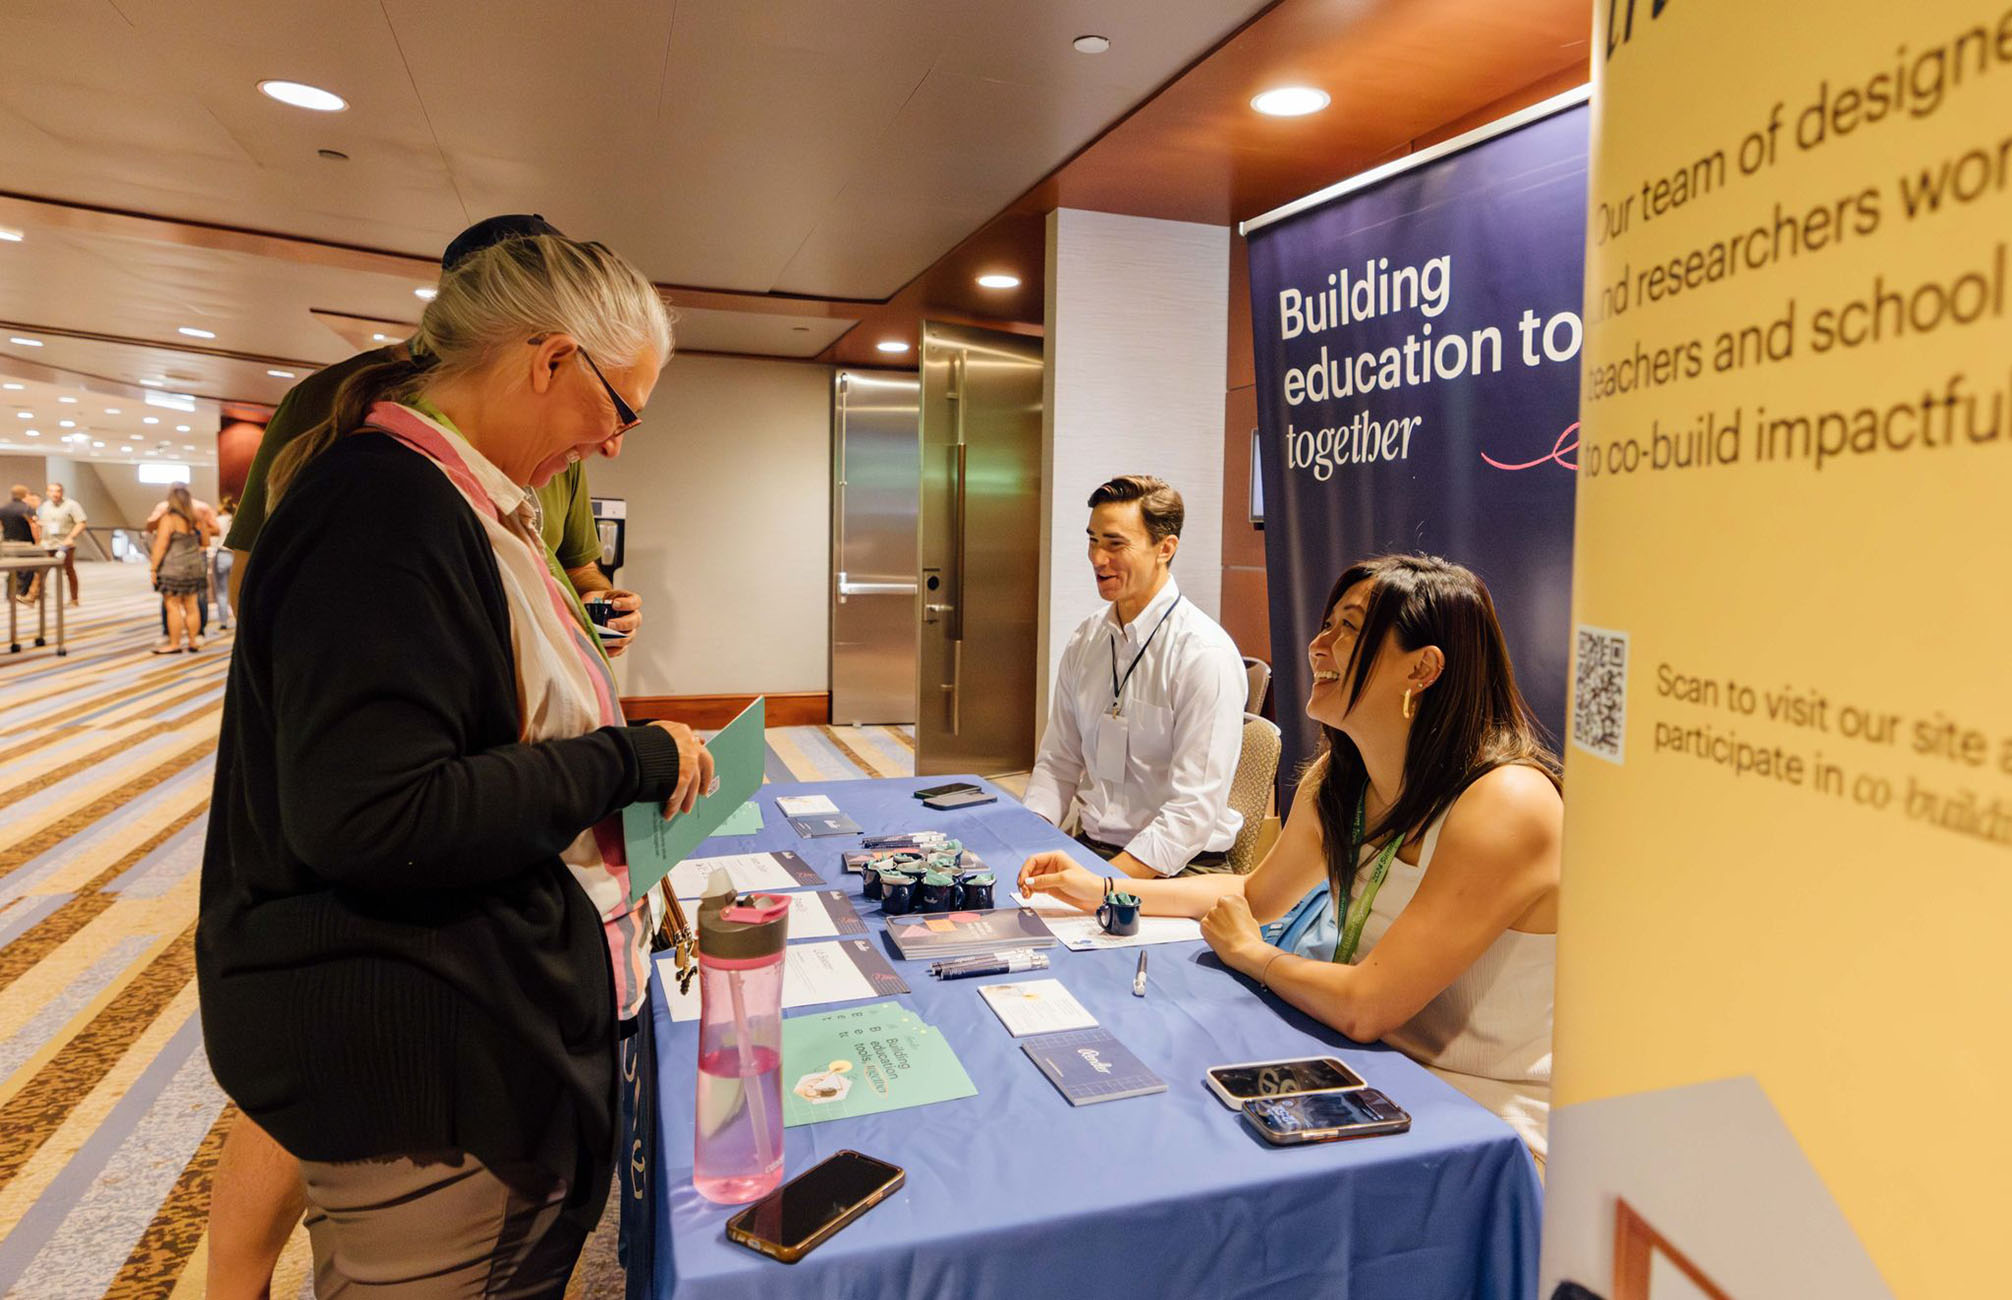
(392, 959)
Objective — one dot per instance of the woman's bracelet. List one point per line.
(1264, 980)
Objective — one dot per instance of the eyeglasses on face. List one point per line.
(626, 417)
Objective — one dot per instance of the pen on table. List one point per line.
(1139, 980)
(1003, 964)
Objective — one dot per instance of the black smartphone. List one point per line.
(955, 787)
(795, 1218)
(959, 799)
(1234, 1085)
(1325, 1116)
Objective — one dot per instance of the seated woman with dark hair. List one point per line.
(1434, 816)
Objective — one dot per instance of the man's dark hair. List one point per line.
(1159, 505)
(494, 230)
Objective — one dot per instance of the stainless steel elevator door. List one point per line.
(875, 461)
(980, 550)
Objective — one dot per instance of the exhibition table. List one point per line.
(46, 566)
(1015, 1193)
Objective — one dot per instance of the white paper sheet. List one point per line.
(1079, 931)
(806, 805)
(749, 872)
(1036, 1007)
(809, 918)
(811, 973)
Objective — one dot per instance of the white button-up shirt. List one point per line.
(1182, 733)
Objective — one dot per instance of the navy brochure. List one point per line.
(1089, 1066)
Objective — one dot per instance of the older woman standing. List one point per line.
(406, 978)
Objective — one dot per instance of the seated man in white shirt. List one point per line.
(1146, 721)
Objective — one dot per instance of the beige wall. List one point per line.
(728, 485)
(1137, 337)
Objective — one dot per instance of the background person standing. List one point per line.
(62, 522)
(18, 534)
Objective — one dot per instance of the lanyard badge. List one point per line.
(1118, 684)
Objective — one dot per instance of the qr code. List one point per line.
(1600, 693)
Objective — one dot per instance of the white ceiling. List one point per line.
(806, 147)
(106, 426)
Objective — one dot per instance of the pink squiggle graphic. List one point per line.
(1559, 450)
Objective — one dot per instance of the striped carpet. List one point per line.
(109, 1120)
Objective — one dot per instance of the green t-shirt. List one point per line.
(570, 535)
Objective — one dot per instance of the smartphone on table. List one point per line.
(1234, 1085)
(937, 791)
(958, 799)
(797, 1217)
(1325, 1116)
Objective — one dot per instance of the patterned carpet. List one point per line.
(109, 1119)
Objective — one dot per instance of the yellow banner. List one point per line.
(1783, 1003)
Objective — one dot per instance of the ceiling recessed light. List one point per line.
(16, 387)
(300, 95)
(150, 419)
(181, 428)
(10, 236)
(1290, 101)
(134, 437)
(33, 433)
(1091, 44)
(66, 424)
(26, 415)
(195, 333)
(97, 444)
(891, 345)
(280, 374)
(426, 293)
(67, 401)
(999, 281)
(26, 343)
(111, 410)
(380, 338)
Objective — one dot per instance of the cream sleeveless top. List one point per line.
(1488, 1033)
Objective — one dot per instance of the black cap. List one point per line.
(494, 230)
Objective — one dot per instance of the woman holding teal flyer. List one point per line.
(1418, 870)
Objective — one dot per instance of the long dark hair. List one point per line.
(1472, 721)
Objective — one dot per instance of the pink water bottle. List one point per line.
(737, 1142)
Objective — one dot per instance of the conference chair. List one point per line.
(1251, 787)
(1258, 674)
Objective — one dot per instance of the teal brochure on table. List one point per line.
(655, 845)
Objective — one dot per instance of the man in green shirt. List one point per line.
(255, 1198)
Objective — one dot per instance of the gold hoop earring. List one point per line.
(1407, 702)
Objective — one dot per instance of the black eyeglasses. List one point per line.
(626, 417)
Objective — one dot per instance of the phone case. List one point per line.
(948, 801)
(1234, 1102)
(1310, 1137)
(737, 1226)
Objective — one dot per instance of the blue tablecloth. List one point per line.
(1014, 1193)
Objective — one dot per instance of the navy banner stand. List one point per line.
(1417, 339)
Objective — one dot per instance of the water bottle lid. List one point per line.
(737, 929)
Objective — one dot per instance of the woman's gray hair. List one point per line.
(541, 284)
(500, 298)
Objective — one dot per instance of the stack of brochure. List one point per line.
(960, 934)
(865, 1060)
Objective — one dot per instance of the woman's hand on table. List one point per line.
(1233, 932)
(1057, 875)
(695, 769)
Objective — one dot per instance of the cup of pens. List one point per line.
(1120, 913)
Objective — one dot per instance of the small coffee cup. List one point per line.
(897, 894)
(939, 893)
(978, 891)
(1120, 914)
(877, 880)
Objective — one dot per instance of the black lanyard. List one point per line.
(1118, 684)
